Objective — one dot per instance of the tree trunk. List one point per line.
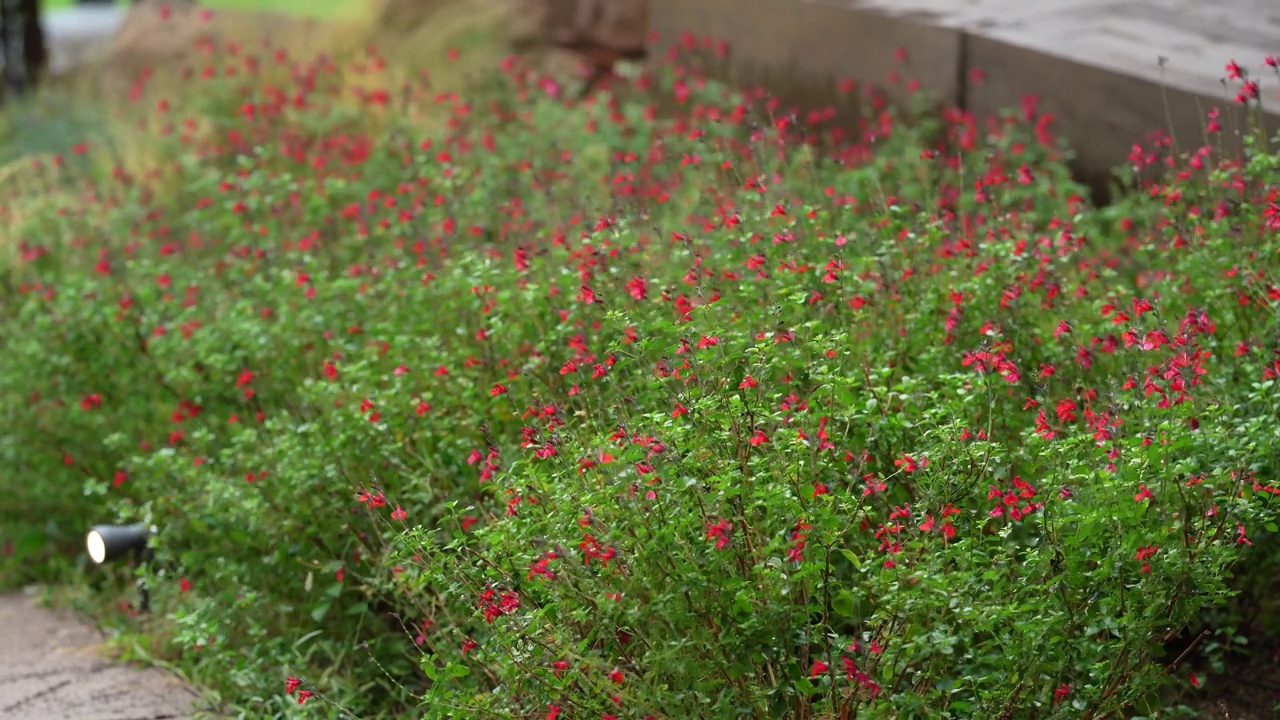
(26, 57)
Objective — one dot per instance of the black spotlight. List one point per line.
(109, 542)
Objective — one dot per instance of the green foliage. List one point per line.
(578, 408)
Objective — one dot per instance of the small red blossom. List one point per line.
(909, 464)
(719, 531)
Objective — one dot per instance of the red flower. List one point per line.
(818, 668)
(637, 287)
(719, 531)
(184, 585)
(291, 684)
(1248, 91)
(1240, 537)
(909, 464)
(398, 513)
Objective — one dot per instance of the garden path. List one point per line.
(51, 668)
(79, 33)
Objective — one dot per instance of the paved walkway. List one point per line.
(80, 33)
(51, 669)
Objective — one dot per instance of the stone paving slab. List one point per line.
(51, 669)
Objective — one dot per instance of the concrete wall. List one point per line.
(1085, 59)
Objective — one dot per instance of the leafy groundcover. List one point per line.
(653, 403)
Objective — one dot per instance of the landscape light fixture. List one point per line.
(110, 542)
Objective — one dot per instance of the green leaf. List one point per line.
(303, 640)
(319, 611)
(842, 603)
(851, 557)
(844, 396)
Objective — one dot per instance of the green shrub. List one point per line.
(585, 410)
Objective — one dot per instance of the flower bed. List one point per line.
(660, 404)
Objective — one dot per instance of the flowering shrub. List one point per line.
(651, 405)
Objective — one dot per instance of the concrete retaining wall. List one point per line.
(1095, 64)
